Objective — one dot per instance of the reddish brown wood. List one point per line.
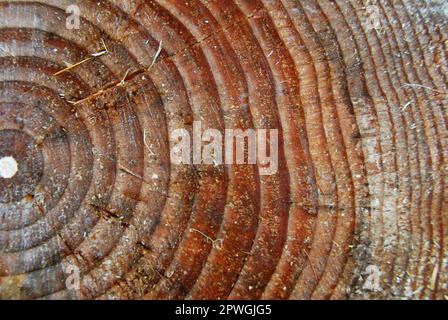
(363, 151)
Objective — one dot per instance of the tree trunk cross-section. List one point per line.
(93, 207)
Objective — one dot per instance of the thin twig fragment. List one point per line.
(416, 85)
(217, 244)
(159, 51)
(311, 264)
(92, 56)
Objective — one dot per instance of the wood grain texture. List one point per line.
(363, 158)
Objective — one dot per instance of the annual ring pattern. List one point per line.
(356, 89)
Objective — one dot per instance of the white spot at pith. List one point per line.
(8, 167)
